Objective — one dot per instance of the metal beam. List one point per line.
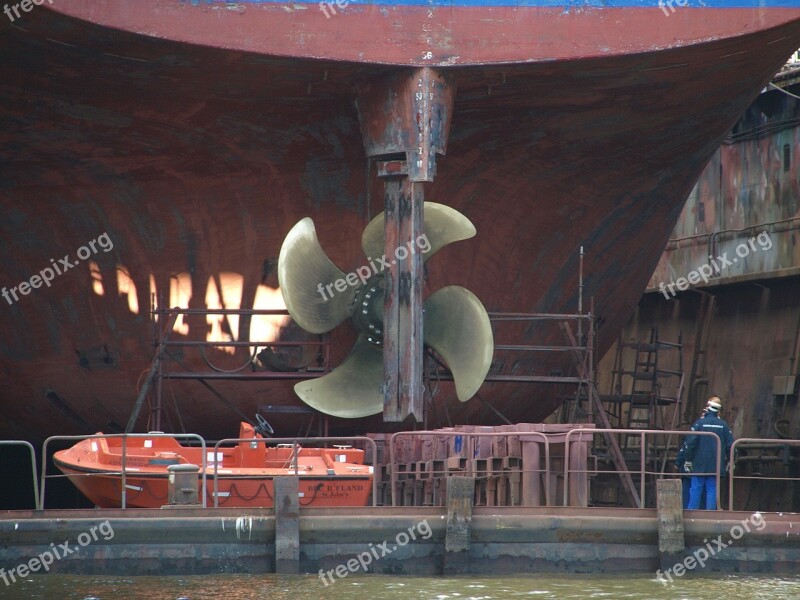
(406, 113)
(402, 304)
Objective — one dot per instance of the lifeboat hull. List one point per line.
(245, 473)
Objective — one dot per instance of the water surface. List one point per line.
(380, 587)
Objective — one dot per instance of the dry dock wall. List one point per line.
(201, 541)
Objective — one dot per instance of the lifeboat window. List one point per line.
(787, 158)
(148, 443)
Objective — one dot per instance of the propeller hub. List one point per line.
(368, 309)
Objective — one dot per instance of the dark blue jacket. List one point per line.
(680, 457)
(701, 450)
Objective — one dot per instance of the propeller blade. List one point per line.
(304, 271)
(443, 225)
(457, 326)
(351, 390)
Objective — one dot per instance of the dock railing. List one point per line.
(33, 465)
(642, 471)
(124, 470)
(295, 442)
(744, 443)
(535, 474)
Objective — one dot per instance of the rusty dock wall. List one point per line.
(507, 540)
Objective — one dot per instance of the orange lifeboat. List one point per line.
(245, 472)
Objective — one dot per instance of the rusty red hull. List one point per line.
(433, 33)
(197, 160)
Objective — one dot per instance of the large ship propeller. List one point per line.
(455, 323)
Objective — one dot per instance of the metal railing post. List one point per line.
(123, 458)
(567, 447)
(123, 466)
(547, 473)
(33, 466)
(642, 466)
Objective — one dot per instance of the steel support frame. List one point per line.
(405, 114)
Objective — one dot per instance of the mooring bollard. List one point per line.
(460, 496)
(287, 524)
(671, 544)
(183, 485)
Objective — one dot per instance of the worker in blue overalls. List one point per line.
(686, 476)
(701, 455)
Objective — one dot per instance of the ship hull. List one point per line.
(433, 33)
(196, 161)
